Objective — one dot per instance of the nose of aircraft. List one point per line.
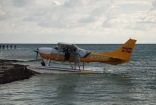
(36, 50)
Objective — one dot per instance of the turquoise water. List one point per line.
(133, 83)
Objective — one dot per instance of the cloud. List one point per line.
(74, 3)
(100, 11)
(63, 19)
(121, 22)
(150, 17)
(146, 22)
(87, 19)
(2, 15)
(130, 20)
(21, 3)
(154, 4)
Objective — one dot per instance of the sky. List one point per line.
(77, 21)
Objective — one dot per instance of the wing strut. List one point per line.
(83, 65)
(58, 54)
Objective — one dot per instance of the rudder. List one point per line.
(124, 52)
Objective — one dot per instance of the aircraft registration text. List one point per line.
(127, 49)
(99, 58)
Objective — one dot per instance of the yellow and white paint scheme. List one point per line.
(119, 56)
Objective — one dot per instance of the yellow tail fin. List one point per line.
(124, 52)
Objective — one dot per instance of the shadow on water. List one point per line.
(66, 90)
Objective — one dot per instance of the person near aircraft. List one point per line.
(14, 46)
(76, 59)
(3, 46)
(67, 54)
(43, 63)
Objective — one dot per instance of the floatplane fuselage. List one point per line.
(119, 56)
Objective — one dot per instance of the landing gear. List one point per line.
(83, 65)
(43, 63)
(48, 63)
(71, 65)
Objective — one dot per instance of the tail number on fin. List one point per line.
(127, 49)
(99, 58)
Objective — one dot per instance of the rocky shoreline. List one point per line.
(10, 72)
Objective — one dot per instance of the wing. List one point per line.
(62, 46)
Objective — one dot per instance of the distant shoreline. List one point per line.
(10, 72)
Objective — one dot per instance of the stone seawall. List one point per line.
(10, 72)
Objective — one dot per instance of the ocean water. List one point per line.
(132, 83)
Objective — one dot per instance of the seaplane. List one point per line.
(119, 56)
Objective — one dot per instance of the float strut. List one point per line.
(71, 65)
(48, 64)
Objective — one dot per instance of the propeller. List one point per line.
(37, 51)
